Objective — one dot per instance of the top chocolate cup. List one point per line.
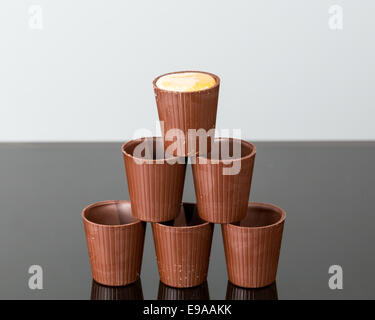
(184, 110)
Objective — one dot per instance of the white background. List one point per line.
(86, 76)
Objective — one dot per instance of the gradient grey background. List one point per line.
(285, 75)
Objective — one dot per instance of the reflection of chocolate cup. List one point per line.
(115, 242)
(183, 248)
(222, 186)
(252, 246)
(186, 110)
(132, 291)
(237, 293)
(155, 181)
(196, 293)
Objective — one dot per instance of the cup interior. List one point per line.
(260, 216)
(188, 217)
(111, 213)
(229, 149)
(149, 148)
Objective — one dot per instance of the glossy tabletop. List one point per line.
(327, 190)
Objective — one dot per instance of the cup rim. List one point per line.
(248, 143)
(217, 80)
(104, 203)
(266, 206)
(149, 161)
(204, 223)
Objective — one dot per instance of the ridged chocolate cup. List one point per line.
(187, 110)
(132, 291)
(195, 293)
(183, 248)
(155, 185)
(252, 246)
(238, 293)
(115, 242)
(224, 198)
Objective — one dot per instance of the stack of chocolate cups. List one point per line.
(155, 169)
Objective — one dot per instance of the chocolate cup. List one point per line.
(238, 293)
(223, 198)
(183, 248)
(155, 185)
(132, 291)
(252, 246)
(115, 242)
(196, 293)
(186, 110)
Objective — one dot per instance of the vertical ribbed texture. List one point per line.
(222, 198)
(196, 293)
(252, 254)
(237, 293)
(187, 110)
(155, 189)
(130, 292)
(115, 252)
(183, 253)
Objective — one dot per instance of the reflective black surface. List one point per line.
(132, 291)
(326, 189)
(265, 293)
(200, 292)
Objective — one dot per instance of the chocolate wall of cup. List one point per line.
(196, 293)
(183, 248)
(132, 291)
(238, 293)
(187, 110)
(224, 198)
(115, 241)
(252, 246)
(155, 185)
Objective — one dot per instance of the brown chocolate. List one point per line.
(223, 198)
(155, 188)
(252, 246)
(115, 242)
(183, 249)
(187, 110)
